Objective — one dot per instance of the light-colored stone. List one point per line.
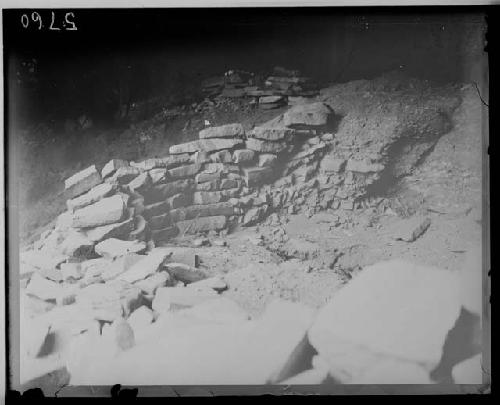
(469, 371)
(205, 224)
(204, 177)
(206, 353)
(147, 266)
(204, 210)
(71, 271)
(76, 244)
(82, 181)
(226, 184)
(42, 288)
(176, 160)
(33, 335)
(253, 215)
(120, 265)
(271, 134)
(118, 230)
(171, 298)
(362, 166)
(392, 309)
(140, 319)
(150, 284)
(270, 99)
(261, 146)
(207, 145)
(314, 114)
(41, 259)
(223, 131)
(163, 191)
(158, 175)
(177, 201)
(148, 164)
(106, 211)
(112, 166)
(95, 194)
(101, 300)
(218, 309)
(153, 210)
(332, 164)
(207, 197)
(124, 175)
(392, 371)
(222, 156)
(184, 171)
(214, 283)
(141, 183)
(111, 248)
(243, 155)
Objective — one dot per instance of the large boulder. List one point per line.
(394, 311)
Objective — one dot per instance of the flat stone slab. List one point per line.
(82, 181)
(106, 211)
(112, 166)
(124, 175)
(271, 134)
(265, 146)
(205, 224)
(207, 210)
(147, 266)
(184, 171)
(362, 166)
(392, 309)
(111, 248)
(95, 194)
(270, 99)
(332, 164)
(207, 197)
(223, 131)
(163, 191)
(207, 145)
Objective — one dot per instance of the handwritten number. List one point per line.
(36, 17)
(70, 22)
(52, 24)
(24, 20)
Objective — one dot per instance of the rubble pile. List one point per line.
(195, 335)
(283, 87)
